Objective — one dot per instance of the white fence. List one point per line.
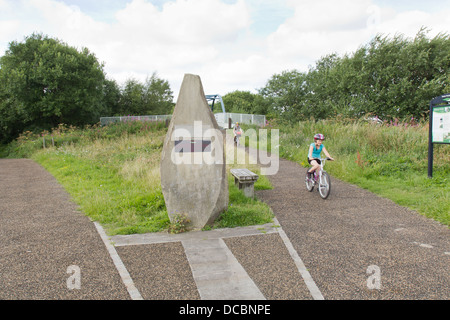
(221, 118)
(107, 120)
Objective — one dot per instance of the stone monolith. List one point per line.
(193, 169)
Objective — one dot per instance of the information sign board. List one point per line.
(439, 129)
(441, 124)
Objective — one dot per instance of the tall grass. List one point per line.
(390, 159)
(113, 173)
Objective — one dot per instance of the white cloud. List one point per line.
(247, 73)
(186, 21)
(8, 27)
(323, 27)
(326, 15)
(232, 45)
(181, 37)
(182, 34)
(409, 23)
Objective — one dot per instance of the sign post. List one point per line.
(439, 131)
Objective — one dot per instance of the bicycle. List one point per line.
(237, 137)
(322, 179)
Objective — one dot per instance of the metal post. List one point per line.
(430, 144)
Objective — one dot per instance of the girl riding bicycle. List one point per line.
(315, 149)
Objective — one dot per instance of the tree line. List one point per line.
(45, 82)
(390, 77)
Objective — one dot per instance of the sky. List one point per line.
(231, 44)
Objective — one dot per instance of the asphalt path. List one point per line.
(352, 246)
(357, 245)
(49, 250)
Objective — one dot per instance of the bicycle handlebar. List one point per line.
(323, 159)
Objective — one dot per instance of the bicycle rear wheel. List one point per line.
(325, 185)
(309, 183)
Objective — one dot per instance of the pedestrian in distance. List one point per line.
(237, 131)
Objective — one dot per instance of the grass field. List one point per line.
(113, 174)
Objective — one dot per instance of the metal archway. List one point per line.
(213, 98)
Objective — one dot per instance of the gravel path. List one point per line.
(339, 238)
(268, 263)
(42, 234)
(160, 271)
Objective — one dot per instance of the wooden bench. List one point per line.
(244, 179)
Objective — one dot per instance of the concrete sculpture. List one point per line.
(193, 169)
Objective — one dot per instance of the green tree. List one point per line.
(394, 77)
(158, 96)
(320, 95)
(132, 98)
(240, 102)
(389, 77)
(112, 96)
(44, 82)
(154, 97)
(285, 95)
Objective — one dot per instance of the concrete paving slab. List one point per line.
(162, 237)
(217, 273)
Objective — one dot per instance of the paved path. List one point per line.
(343, 240)
(306, 254)
(44, 239)
(245, 263)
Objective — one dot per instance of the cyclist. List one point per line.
(315, 149)
(237, 132)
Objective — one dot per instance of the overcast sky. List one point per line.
(231, 44)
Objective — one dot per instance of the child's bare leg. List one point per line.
(314, 167)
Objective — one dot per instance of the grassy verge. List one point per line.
(388, 159)
(113, 174)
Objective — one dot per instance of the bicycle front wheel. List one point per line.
(325, 185)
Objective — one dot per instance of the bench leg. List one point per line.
(248, 189)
